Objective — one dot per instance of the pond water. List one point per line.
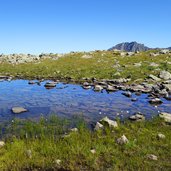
(68, 100)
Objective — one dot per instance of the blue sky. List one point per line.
(36, 26)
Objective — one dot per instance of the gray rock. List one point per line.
(153, 64)
(155, 101)
(110, 88)
(98, 88)
(18, 110)
(166, 117)
(165, 75)
(74, 129)
(153, 77)
(127, 94)
(98, 126)
(152, 157)
(137, 117)
(167, 86)
(109, 122)
(122, 140)
(50, 84)
(164, 51)
(161, 136)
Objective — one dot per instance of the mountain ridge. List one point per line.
(133, 47)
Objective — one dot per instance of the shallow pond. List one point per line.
(67, 100)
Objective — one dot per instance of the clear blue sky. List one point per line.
(35, 26)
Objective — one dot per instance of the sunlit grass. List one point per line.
(47, 143)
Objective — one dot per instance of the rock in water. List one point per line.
(137, 117)
(18, 110)
(98, 88)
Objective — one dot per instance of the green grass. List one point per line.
(102, 65)
(47, 144)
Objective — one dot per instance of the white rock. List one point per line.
(122, 140)
(152, 157)
(18, 110)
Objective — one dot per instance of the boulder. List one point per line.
(109, 122)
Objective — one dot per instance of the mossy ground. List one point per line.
(102, 65)
(45, 140)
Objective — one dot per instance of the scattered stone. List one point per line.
(93, 151)
(98, 126)
(50, 84)
(134, 99)
(58, 162)
(153, 64)
(127, 94)
(164, 51)
(155, 101)
(122, 140)
(74, 129)
(86, 87)
(86, 56)
(167, 86)
(2, 143)
(166, 117)
(109, 122)
(161, 136)
(165, 75)
(152, 157)
(137, 117)
(153, 77)
(98, 88)
(18, 110)
(110, 88)
(137, 64)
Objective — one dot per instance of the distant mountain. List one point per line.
(130, 47)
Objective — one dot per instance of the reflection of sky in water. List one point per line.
(70, 101)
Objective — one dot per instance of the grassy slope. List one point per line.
(74, 150)
(102, 66)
